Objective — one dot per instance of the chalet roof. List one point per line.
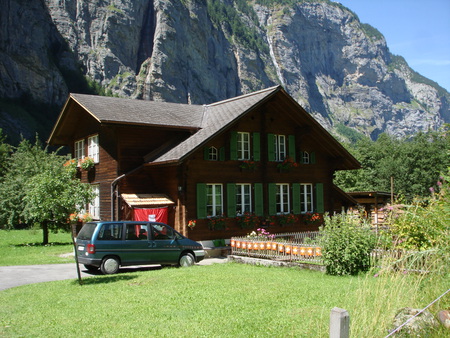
(217, 117)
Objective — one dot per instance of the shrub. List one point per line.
(346, 244)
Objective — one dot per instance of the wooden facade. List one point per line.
(142, 155)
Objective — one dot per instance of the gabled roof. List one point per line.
(128, 111)
(217, 117)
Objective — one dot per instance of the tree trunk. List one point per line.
(45, 232)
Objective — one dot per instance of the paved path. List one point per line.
(11, 276)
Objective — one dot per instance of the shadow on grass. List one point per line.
(124, 274)
(40, 244)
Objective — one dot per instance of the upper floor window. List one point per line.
(305, 157)
(280, 147)
(213, 154)
(93, 148)
(282, 198)
(243, 145)
(79, 150)
(214, 199)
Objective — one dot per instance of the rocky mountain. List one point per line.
(201, 51)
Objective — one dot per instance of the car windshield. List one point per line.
(86, 231)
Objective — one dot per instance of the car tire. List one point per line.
(186, 260)
(91, 268)
(110, 265)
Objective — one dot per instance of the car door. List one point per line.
(136, 245)
(165, 246)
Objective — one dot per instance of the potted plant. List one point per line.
(248, 165)
(87, 163)
(217, 222)
(287, 165)
(192, 223)
(248, 220)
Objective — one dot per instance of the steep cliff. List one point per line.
(201, 51)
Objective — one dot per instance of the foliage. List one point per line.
(248, 165)
(192, 223)
(87, 163)
(415, 164)
(283, 219)
(311, 218)
(5, 150)
(287, 164)
(346, 244)
(217, 222)
(38, 188)
(260, 234)
(248, 220)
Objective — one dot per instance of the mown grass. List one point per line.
(221, 300)
(23, 247)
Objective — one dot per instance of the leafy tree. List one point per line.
(415, 164)
(38, 188)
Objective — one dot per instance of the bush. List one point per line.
(346, 244)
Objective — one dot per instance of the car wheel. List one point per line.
(91, 268)
(110, 265)
(186, 260)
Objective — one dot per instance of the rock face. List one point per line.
(201, 51)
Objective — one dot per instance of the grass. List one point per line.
(23, 247)
(220, 300)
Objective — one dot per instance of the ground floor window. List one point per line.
(243, 199)
(214, 199)
(94, 206)
(306, 198)
(282, 199)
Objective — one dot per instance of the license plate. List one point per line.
(80, 248)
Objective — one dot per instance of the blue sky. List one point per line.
(418, 30)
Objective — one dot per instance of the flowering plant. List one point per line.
(192, 223)
(71, 165)
(248, 220)
(216, 222)
(283, 219)
(86, 217)
(248, 165)
(87, 163)
(260, 234)
(311, 217)
(287, 164)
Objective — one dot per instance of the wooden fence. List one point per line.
(293, 247)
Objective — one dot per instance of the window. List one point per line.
(280, 147)
(94, 206)
(243, 199)
(110, 232)
(305, 157)
(213, 154)
(79, 150)
(93, 148)
(162, 232)
(306, 198)
(243, 146)
(214, 199)
(282, 198)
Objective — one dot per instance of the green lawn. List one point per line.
(221, 300)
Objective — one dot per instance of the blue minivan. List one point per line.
(109, 245)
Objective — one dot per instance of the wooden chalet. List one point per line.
(259, 154)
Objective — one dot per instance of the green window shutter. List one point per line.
(271, 147)
(256, 147)
(296, 198)
(319, 198)
(201, 200)
(231, 199)
(222, 154)
(259, 201)
(233, 146)
(291, 146)
(206, 153)
(272, 198)
(312, 158)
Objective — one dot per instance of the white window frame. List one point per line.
(243, 146)
(94, 206)
(79, 150)
(243, 198)
(213, 154)
(283, 199)
(305, 157)
(214, 199)
(93, 148)
(280, 148)
(306, 198)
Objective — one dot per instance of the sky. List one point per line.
(418, 30)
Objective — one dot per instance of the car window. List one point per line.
(136, 232)
(110, 232)
(161, 232)
(87, 231)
